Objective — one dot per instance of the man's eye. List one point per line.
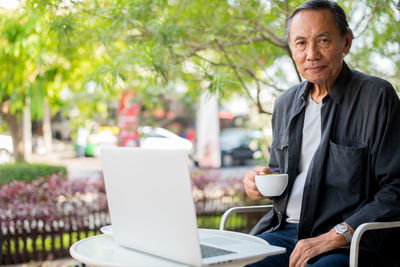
(301, 43)
(324, 42)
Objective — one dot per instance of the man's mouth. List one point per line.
(315, 68)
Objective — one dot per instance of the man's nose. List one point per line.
(313, 52)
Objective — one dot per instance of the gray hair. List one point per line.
(337, 11)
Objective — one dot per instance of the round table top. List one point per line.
(102, 250)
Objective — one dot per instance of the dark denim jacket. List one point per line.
(354, 175)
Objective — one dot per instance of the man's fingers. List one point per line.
(249, 181)
(302, 252)
(294, 258)
(297, 261)
(250, 184)
(250, 174)
(264, 170)
(251, 189)
(253, 192)
(259, 170)
(302, 261)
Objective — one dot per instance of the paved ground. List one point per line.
(67, 262)
(63, 154)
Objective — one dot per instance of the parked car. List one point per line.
(61, 129)
(6, 149)
(149, 137)
(235, 145)
(103, 137)
(162, 138)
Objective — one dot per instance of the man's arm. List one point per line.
(386, 166)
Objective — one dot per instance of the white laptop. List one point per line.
(152, 210)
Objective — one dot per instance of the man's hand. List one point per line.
(250, 184)
(307, 248)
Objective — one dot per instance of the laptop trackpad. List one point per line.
(219, 241)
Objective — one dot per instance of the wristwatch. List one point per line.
(343, 230)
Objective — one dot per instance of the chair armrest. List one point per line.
(244, 209)
(355, 241)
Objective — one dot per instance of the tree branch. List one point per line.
(252, 74)
(271, 36)
(235, 69)
(197, 48)
(248, 70)
(369, 20)
(287, 14)
(287, 48)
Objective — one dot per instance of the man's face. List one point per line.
(317, 47)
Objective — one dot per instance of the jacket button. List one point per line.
(280, 213)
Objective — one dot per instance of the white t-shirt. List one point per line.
(310, 141)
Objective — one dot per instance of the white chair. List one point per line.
(355, 241)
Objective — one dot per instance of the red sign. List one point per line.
(128, 119)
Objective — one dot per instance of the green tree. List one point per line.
(93, 50)
(229, 47)
(18, 54)
(31, 67)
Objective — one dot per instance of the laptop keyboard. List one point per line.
(207, 251)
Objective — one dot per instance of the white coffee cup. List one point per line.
(271, 185)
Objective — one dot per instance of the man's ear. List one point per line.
(348, 39)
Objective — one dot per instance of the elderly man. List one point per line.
(337, 137)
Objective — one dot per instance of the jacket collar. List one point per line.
(341, 83)
(337, 91)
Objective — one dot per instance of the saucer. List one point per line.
(107, 230)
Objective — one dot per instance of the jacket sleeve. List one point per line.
(279, 145)
(385, 164)
(273, 162)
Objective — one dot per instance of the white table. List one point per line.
(101, 250)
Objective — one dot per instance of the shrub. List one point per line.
(208, 185)
(28, 172)
(215, 194)
(49, 198)
(40, 219)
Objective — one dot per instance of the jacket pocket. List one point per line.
(279, 152)
(346, 167)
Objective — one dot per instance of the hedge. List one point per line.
(28, 172)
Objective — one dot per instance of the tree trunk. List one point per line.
(27, 130)
(47, 138)
(13, 125)
(16, 134)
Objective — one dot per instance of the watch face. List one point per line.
(342, 227)
(343, 230)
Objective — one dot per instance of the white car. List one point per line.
(61, 129)
(6, 149)
(149, 137)
(162, 138)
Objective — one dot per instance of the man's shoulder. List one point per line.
(370, 83)
(371, 90)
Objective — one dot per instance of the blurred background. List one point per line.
(200, 75)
